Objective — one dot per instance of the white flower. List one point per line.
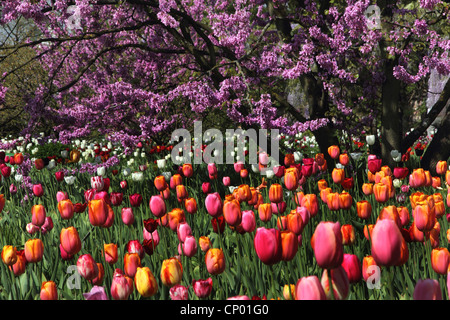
(137, 176)
(231, 188)
(356, 155)
(65, 154)
(69, 179)
(269, 173)
(101, 171)
(397, 183)
(339, 166)
(370, 139)
(18, 177)
(51, 164)
(161, 163)
(298, 156)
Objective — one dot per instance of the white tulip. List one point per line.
(101, 171)
(370, 139)
(137, 176)
(70, 180)
(126, 172)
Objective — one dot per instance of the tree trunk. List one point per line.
(391, 118)
(439, 148)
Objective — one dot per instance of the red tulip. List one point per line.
(202, 288)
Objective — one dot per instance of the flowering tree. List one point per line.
(136, 69)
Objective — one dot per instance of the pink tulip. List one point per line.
(31, 228)
(87, 267)
(103, 195)
(226, 181)
(97, 183)
(309, 288)
(428, 289)
(135, 200)
(278, 208)
(267, 243)
(352, 267)
(157, 206)
(38, 190)
(238, 166)
(202, 288)
(134, 246)
(12, 189)
(327, 244)
(189, 246)
(183, 230)
(248, 221)
(61, 195)
(304, 213)
(212, 169)
(213, 204)
(116, 198)
(59, 175)
(386, 242)
(127, 216)
(179, 292)
(121, 286)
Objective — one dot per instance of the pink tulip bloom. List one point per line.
(386, 242)
(309, 288)
(213, 204)
(428, 289)
(327, 244)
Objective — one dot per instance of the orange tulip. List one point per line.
(232, 212)
(428, 179)
(181, 192)
(403, 213)
(363, 209)
(289, 292)
(34, 250)
(276, 193)
(338, 175)
(289, 245)
(324, 194)
(381, 192)
(131, 262)
(345, 200)
(436, 182)
(255, 197)
(447, 178)
(176, 216)
(265, 212)
(98, 212)
(334, 151)
(98, 280)
(344, 159)
(441, 167)
(38, 215)
(18, 268)
(244, 193)
(424, 216)
(171, 272)
(49, 291)
(9, 255)
(298, 197)
(295, 222)
(367, 188)
(417, 197)
(289, 160)
(215, 261)
(440, 259)
(333, 201)
(370, 177)
(187, 170)
(2, 202)
(110, 251)
(160, 183)
(291, 178)
(368, 228)
(66, 209)
(311, 203)
(439, 209)
(190, 204)
(322, 184)
(70, 240)
(417, 178)
(204, 243)
(368, 267)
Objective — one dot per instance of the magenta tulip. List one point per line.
(327, 244)
(157, 206)
(213, 204)
(267, 243)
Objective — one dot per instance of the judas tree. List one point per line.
(137, 69)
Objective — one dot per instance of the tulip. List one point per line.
(363, 209)
(34, 250)
(98, 212)
(327, 244)
(205, 243)
(5, 170)
(31, 228)
(289, 245)
(202, 288)
(127, 216)
(248, 221)
(12, 190)
(265, 212)
(310, 202)
(390, 212)
(441, 167)
(218, 224)
(333, 202)
(338, 175)
(215, 261)
(66, 210)
(386, 242)
(70, 240)
(176, 216)
(403, 213)
(116, 198)
(183, 230)
(276, 193)
(295, 222)
(424, 216)
(374, 165)
(157, 206)
(440, 259)
(134, 246)
(171, 272)
(268, 246)
(367, 188)
(381, 192)
(38, 215)
(309, 288)
(110, 252)
(131, 262)
(96, 293)
(289, 292)
(19, 266)
(278, 208)
(226, 181)
(97, 183)
(400, 172)
(18, 158)
(121, 286)
(187, 170)
(417, 178)
(345, 200)
(213, 204)
(428, 289)
(47, 226)
(9, 255)
(232, 212)
(348, 234)
(333, 152)
(87, 267)
(49, 291)
(352, 267)
(38, 190)
(206, 187)
(179, 292)
(291, 178)
(190, 205)
(369, 267)
(160, 183)
(339, 283)
(145, 282)
(61, 195)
